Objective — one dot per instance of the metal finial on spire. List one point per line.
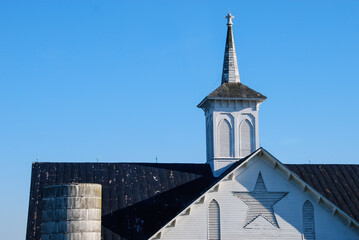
(229, 18)
(230, 66)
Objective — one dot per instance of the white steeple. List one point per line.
(230, 66)
(231, 114)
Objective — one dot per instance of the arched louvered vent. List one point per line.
(214, 230)
(246, 138)
(224, 132)
(208, 137)
(308, 221)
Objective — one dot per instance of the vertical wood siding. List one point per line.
(224, 132)
(246, 139)
(308, 221)
(214, 227)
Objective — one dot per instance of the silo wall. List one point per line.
(71, 212)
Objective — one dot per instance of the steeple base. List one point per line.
(219, 165)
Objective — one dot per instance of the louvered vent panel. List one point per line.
(214, 221)
(246, 139)
(308, 221)
(224, 139)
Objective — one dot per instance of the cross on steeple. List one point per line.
(229, 18)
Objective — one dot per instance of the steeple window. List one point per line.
(224, 133)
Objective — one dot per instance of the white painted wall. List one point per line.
(235, 112)
(288, 211)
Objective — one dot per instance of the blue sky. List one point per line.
(120, 80)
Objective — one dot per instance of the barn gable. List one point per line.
(256, 196)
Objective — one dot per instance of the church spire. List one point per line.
(230, 66)
(231, 114)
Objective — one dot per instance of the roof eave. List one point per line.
(237, 98)
(202, 102)
(230, 98)
(221, 178)
(320, 197)
(227, 175)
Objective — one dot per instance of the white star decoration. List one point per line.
(260, 202)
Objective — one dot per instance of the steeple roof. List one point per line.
(230, 72)
(231, 86)
(235, 90)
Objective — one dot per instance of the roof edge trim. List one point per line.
(230, 98)
(223, 177)
(277, 163)
(321, 198)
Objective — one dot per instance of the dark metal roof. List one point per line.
(139, 198)
(339, 183)
(235, 90)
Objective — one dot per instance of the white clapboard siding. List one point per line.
(308, 221)
(246, 133)
(224, 132)
(214, 227)
(233, 211)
